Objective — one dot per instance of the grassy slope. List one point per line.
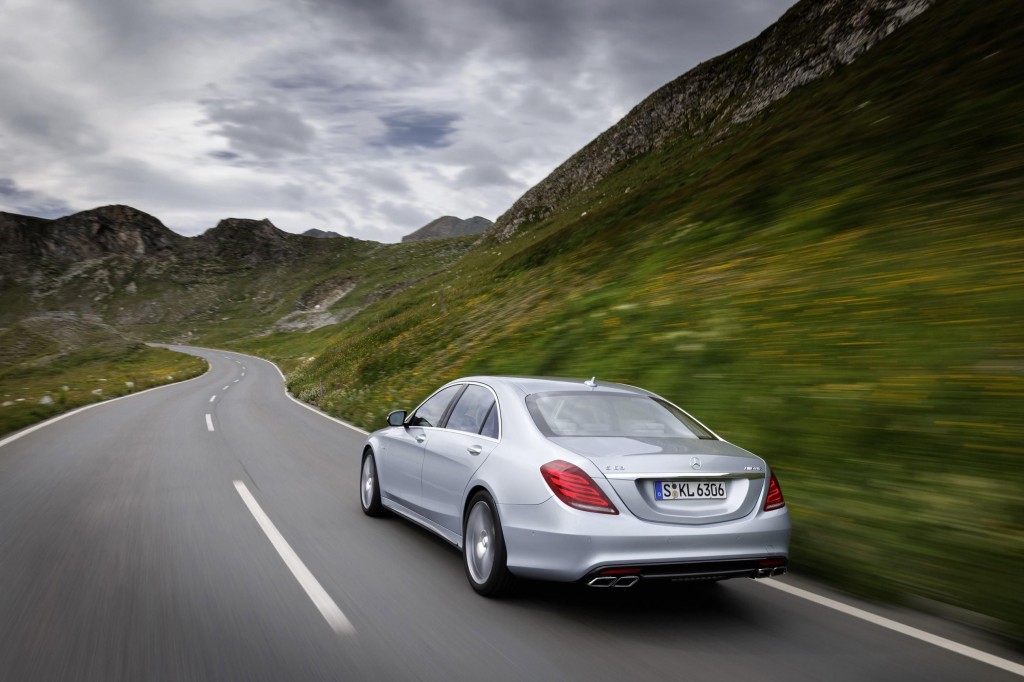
(237, 303)
(837, 287)
(74, 363)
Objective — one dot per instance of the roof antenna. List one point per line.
(592, 383)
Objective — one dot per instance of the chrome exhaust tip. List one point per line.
(764, 572)
(627, 581)
(602, 581)
(781, 570)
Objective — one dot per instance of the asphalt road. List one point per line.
(129, 551)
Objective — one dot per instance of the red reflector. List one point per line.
(575, 488)
(774, 499)
(768, 563)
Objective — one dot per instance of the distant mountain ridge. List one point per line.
(449, 226)
(125, 267)
(320, 234)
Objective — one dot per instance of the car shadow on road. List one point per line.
(656, 612)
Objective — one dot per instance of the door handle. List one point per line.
(420, 438)
(475, 449)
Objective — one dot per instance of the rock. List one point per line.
(46, 400)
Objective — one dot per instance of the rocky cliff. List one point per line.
(251, 241)
(810, 41)
(104, 231)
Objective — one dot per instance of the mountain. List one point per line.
(449, 226)
(109, 230)
(810, 41)
(319, 234)
(123, 267)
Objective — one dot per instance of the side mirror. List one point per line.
(396, 418)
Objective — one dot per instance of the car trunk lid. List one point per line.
(685, 481)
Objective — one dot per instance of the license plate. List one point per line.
(689, 490)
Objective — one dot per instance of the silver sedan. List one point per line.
(576, 481)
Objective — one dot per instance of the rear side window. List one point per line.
(431, 412)
(490, 428)
(471, 411)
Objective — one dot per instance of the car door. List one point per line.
(401, 467)
(454, 453)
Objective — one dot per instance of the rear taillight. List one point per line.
(575, 488)
(774, 499)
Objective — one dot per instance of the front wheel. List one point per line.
(483, 548)
(369, 487)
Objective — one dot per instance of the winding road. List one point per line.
(211, 530)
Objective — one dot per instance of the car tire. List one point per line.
(483, 548)
(369, 486)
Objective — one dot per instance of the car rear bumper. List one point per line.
(550, 541)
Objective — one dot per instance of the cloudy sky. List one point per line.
(367, 117)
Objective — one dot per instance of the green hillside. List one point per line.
(837, 286)
(55, 362)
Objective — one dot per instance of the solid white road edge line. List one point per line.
(324, 414)
(330, 611)
(54, 420)
(299, 402)
(895, 626)
(209, 423)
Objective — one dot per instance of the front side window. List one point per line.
(471, 411)
(611, 414)
(431, 412)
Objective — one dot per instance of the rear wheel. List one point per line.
(483, 548)
(369, 487)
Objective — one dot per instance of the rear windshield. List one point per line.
(577, 413)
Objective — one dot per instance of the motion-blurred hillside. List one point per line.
(833, 279)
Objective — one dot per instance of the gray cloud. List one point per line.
(484, 175)
(34, 113)
(405, 214)
(385, 180)
(369, 117)
(263, 129)
(27, 202)
(415, 128)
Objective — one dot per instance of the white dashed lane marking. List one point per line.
(330, 611)
(209, 423)
(212, 398)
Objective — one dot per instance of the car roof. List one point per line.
(530, 385)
